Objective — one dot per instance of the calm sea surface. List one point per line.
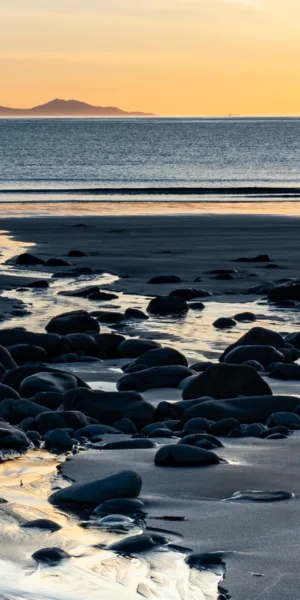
(149, 160)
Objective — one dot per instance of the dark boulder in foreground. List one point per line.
(139, 543)
(7, 392)
(182, 455)
(226, 381)
(167, 305)
(47, 382)
(77, 322)
(50, 556)
(14, 411)
(132, 444)
(257, 336)
(265, 355)
(58, 440)
(6, 359)
(224, 323)
(57, 262)
(135, 347)
(245, 317)
(294, 339)
(159, 279)
(23, 353)
(108, 343)
(136, 313)
(160, 357)
(126, 484)
(77, 253)
(27, 259)
(260, 258)
(285, 291)
(155, 377)
(120, 506)
(12, 438)
(283, 371)
(108, 407)
(252, 409)
(190, 293)
(44, 524)
(15, 377)
(53, 344)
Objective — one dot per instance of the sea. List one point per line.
(149, 164)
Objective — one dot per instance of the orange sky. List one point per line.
(170, 57)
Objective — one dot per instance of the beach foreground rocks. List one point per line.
(126, 484)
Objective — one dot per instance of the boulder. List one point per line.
(126, 484)
(224, 323)
(193, 438)
(6, 359)
(50, 556)
(102, 296)
(72, 323)
(285, 419)
(108, 343)
(111, 316)
(265, 355)
(283, 371)
(43, 524)
(15, 377)
(83, 343)
(75, 419)
(108, 407)
(53, 344)
(77, 253)
(260, 258)
(196, 305)
(14, 411)
(257, 336)
(224, 427)
(155, 377)
(38, 284)
(135, 347)
(120, 506)
(90, 431)
(135, 544)
(181, 455)
(167, 305)
(133, 444)
(8, 392)
(27, 259)
(135, 313)
(226, 381)
(160, 357)
(58, 440)
(12, 438)
(47, 382)
(47, 421)
(57, 262)
(160, 279)
(245, 317)
(252, 409)
(51, 400)
(285, 291)
(23, 353)
(82, 292)
(294, 339)
(125, 426)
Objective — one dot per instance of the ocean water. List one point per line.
(149, 160)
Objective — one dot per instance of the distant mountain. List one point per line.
(69, 108)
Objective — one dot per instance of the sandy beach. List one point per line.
(195, 504)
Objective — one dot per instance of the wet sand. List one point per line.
(259, 541)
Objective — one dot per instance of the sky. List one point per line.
(169, 57)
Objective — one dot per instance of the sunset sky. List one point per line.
(170, 57)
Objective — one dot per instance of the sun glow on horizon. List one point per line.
(169, 57)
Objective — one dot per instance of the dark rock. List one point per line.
(164, 279)
(276, 436)
(294, 339)
(47, 421)
(283, 371)
(252, 409)
(226, 381)
(50, 556)
(72, 323)
(135, 313)
(235, 433)
(201, 366)
(108, 407)
(44, 524)
(51, 400)
(224, 323)
(77, 253)
(283, 419)
(254, 430)
(22, 353)
(286, 291)
(155, 377)
(14, 411)
(193, 438)
(39, 284)
(152, 426)
(111, 317)
(34, 436)
(126, 426)
(272, 430)
(84, 343)
(136, 544)
(272, 266)
(82, 292)
(225, 277)
(57, 262)
(108, 343)
(160, 357)
(102, 296)
(161, 432)
(255, 365)
(6, 359)
(196, 424)
(257, 336)
(91, 431)
(126, 484)
(196, 305)
(56, 439)
(47, 382)
(8, 392)
(75, 419)
(261, 288)
(12, 438)
(245, 317)
(135, 347)
(167, 305)
(27, 259)
(224, 427)
(260, 258)
(15, 377)
(120, 506)
(190, 293)
(181, 455)
(265, 355)
(53, 344)
(133, 444)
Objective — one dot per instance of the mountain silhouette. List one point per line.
(68, 108)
